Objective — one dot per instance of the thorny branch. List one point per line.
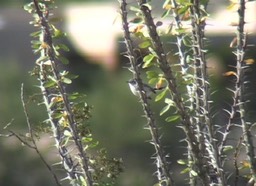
(164, 174)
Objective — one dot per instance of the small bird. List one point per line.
(133, 84)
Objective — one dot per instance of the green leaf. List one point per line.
(147, 60)
(57, 115)
(135, 9)
(35, 34)
(227, 148)
(182, 162)
(66, 80)
(184, 171)
(28, 7)
(137, 20)
(172, 118)
(153, 81)
(145, 44)
(49, 84)
(151, 74)
(166, 2)
(193, 173)
(63, 47)
(166, 13)
(183, 10)
(169, 101)
(161, 95)
(165, 109)
(187, 41)
(67, 133)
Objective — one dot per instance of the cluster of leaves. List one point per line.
(186, 91)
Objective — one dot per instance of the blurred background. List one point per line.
(94, 36)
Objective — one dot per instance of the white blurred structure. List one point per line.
(94, 28)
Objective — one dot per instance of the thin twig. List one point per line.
(34, 147)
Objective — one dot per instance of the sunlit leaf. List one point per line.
(165, 109)
(166, 13)
(182, 162)
(249, 61)
(233, 6)
(160, 82)
(67, 133)
(148, 59)
(193, 173)
(227, 148)
(245, 164)
(186, 170)
(229, 73)
(161, 95)
(28, 7)
(166, 4)
(172, 118)
(169, 101)
(135, 9)
(66, 80)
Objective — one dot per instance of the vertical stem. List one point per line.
(47, 38)
(163, 170)
(240, 66)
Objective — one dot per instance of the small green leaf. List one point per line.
(151, 74)
(135, 9)
(227, 148)
(35, 34)
(161, 95)
(28, 7)
(49, 84)
(63, 47)
(184, 171)
(183, 10)
(164, 110)
(57, 115)
(148, 59)
(169, 101)
(182, 162)
(166, 2)
(193, 173)
(66, 80)
(187, 41)
(166, 13)
(67, 133)
(153, 81)
(145, 44)
(137, 20)
(172, 118)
